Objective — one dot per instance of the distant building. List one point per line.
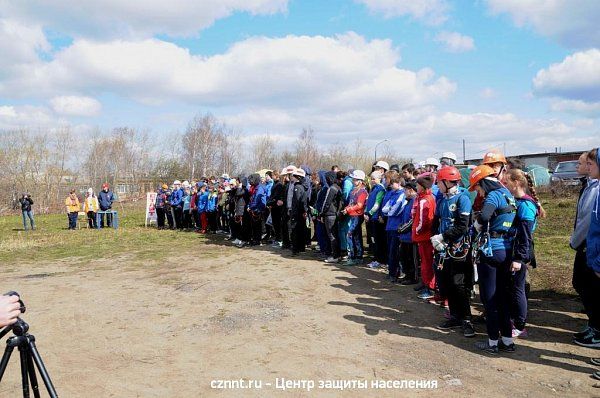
(548, 160)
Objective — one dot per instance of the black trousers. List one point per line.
(453, 281)
(212, 221)
(236, 228)
(170, 219)
(196, 219)
(276, 219)
(409, 255)
(91, 219)
(299, 230)
(108, 219)
(331, 228)
(160, 217)
(178, 212)
(285, 229)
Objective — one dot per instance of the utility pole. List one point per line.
(464, 155)
(376, 145)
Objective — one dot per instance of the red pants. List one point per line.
(426, 254)
(203, 221)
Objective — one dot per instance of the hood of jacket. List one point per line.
(323, 178)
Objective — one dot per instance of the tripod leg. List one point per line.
(24, 372)
(32, 377)
(41, 368)
(7, 352)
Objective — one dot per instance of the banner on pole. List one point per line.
(150, 208)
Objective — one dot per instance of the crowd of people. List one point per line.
(422, 224)
(92, 204)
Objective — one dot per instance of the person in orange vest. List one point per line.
(72, 206)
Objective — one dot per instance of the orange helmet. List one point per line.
(478, 174)
(449, 174)
(494, 157)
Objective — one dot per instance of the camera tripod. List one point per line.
(29, 356)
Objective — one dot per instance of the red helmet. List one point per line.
(478, 174)
(448, 174)
(105, 185)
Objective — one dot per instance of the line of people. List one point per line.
(421, 223)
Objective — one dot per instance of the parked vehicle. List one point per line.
(565, 174)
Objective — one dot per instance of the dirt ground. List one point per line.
(126, 327)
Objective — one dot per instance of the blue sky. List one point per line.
(514, 73)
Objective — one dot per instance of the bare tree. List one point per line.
(263, 153)
(307, 152)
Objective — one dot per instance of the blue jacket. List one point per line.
(176, 197)
(585, 205)
(454, 213)
(347, 187)
(202, 202)
(593, 236)
(322, 194)
(372, 207)
(501, 221)
(186, 201)
(406, 216)
(105, 200)
(393, 207)
(211, 203)
(522, 229)
(258, 201)
(268, 187)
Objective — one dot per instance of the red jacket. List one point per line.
(423, 212)
(358, 199)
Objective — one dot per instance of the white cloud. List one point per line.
(573, 84)
(19, 44)
(577, 106)
(454, 42)
(433, 12)
(334, 73)
(26, 116)
(487, 93)
(72, 105)
(133, 18)
(571, 22)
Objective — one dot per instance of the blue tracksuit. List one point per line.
(211, 203)
(593, 235)
(258, 201)
(176, 197)
(202, 202)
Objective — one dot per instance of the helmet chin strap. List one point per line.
(450, 190)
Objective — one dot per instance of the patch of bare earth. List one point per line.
(167, 328)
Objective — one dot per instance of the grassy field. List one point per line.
(52, 242)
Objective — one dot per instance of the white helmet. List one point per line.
(186, 184)
(358, 175)
(383, 165)
(177, 182)
(432, 162)
(299, 172)
(449, 155)
(225, 176)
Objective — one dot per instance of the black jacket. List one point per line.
(299, 202)
(332, 203)
(277, 193)
(26, 203)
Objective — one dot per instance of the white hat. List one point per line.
(225, 176)
(432, 162)
(358, 175)
(377, 174)
(186, 184)
(449, 155)
(299, 173)
(289, 170)
(383, 165)
(177, 182)
(90, 190)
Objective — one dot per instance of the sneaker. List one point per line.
(351, 262)
(407, 282)
(420, 286)
(592, 340)
(506, 348)
(519, 334)
(373, 264)
(331, 260)
(468, 330)
(583, 333)
(344, 258)
(425, 294)
(236, 242)
(241, 244)
(595, 361)
(485, 346)
(451, 323)
(596, 375)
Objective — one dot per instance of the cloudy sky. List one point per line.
(519, 74)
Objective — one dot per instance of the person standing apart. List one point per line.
(105, 200)
(90, 207)
(72, 206)
(27, 211)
